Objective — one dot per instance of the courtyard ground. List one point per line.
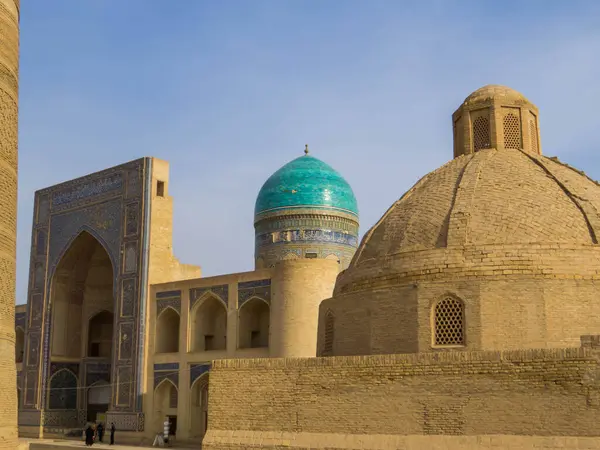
(48, 444)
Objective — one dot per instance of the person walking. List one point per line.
(89, 436)
(100, 430)
(112, 433)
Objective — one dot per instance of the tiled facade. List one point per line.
(117, 329)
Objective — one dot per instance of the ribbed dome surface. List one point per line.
(306, 182)
(489, 197)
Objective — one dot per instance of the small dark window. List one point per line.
(95, 350)
(255, 339)
(160, 188)
(209, 342)
(310, 255)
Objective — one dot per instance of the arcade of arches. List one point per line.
(82, 324)
(208, 327)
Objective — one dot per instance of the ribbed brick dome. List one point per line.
(489, 197)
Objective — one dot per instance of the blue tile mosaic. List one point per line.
(166, 366)
(319, 236)
(197, 370)
(256, 288)
(306, 182)
(168, 294)
(220, 291)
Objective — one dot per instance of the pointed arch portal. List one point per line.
(82, 305)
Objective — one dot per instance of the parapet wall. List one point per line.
(375, 400)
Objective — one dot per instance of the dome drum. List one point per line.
(495, 250)
(305, 210)
(496, 117)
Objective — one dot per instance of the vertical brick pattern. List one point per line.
(9, 62)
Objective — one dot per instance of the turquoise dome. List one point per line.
(306, 182)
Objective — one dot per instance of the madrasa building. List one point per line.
(466, 318)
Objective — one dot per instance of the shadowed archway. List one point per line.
(82, 302)
(254, 323)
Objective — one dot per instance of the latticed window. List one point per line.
(329, 327)
(481, 133)
(512, 132)
(533, 136)
(449, 322)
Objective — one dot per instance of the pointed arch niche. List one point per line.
(209, 324)
(167, 331)
(199, 407)
(165, 402)
(254, 323)
(63, 391)
(81, 284)
(98, 399)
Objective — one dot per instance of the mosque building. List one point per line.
(469, 309)
(113, 315)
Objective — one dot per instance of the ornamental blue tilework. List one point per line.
(221, 291)
(306, 182)
(197, 370)
(168, 371)
(257, 288)
(319, 236)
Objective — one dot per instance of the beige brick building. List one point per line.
(466, 318)
(117, 330)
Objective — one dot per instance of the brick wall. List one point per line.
(9, 64)
(552, 392)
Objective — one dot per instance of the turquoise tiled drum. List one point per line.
(305, 210)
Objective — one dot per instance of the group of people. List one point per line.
(95, 432)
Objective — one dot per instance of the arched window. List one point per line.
(449, 322)
(254, 323)
(167, 331)
(329, 329)
(209, 325)
(63, 390)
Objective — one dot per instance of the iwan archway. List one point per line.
(82, 306)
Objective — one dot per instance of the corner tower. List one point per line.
(9, 82)
(496, 117)
(305, 210)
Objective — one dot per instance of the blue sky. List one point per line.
(228, 91)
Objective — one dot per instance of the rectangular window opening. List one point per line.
(209, 342)
(160, 188)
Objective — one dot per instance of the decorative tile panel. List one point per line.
(124, 379)
(21, 320)
(126, 340)
(164, 303)
(81, 193)
(197, 370)
(97, 371)
(128, 296)
(258, 288)
(171, 373)
(220, 291)
(58, 366)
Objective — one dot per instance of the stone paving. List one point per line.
(48, 444)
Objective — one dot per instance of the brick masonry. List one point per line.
(9, 69)
(379, 400)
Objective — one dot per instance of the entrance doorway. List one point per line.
(98, 400)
